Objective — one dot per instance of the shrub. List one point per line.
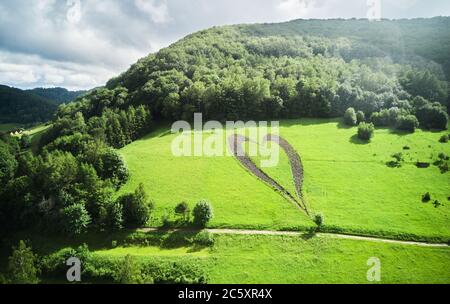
(185, 272)
(203, 213)
(319, 219)
(426, 197)
(433, 116)
(444, 139)
(183, 210)
(443, 156)
(22, 265)
(407, 123)
(380, 119)
(350, 118)
(204, 238)
(398, 157)
(136, 208)
(360, 117)
(114, 167)
(365, 131)
(75, 220)
(128, 272)
(115, 216)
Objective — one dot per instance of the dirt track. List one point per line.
(301, 234)
(236, 142)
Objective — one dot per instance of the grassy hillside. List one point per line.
(346, 180)
(255, 259)
(292, 260)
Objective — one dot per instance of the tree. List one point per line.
(350, 118)
(25, 141)
(75, 220)
(22, 265)
(319, 219)
(115, 216)
(183, 210)
(432, 116)
(136, 208)
(407, 123)
(360, 116)
(8, 164)
(203, 213)
(114, 167)
(365, 131)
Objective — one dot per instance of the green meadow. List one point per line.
(252, 259)
(346, 180)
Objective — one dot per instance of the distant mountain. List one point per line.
(17, 106)
(59, 95)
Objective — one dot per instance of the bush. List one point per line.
(365, 131)
(114, 167)
(136, 208)
(350, 117)
(22, 265)
(204, 238)
(426, 197)
(115, 216)
(128, 272)
(433, 116)
(319, 219)
(407, 123)
(75, 220)
(380, 119)
(203, 213)
(444, 139)
(183, 210)
(360, 117)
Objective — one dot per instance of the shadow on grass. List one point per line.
(45, 244)
(357, 141)
(311, 233)
(342, 125)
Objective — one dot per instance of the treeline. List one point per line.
(58, 95)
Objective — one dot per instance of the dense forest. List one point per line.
(58, 95)
(17, 106)
(32, 106)
(391, 73)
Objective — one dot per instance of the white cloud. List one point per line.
(157, 11)
(41, 46)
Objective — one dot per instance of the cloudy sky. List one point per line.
(80, 44)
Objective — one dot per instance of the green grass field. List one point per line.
(264, 259)
(286, 259)
(346, 180)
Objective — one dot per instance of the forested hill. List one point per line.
(303, 68)
(400, 39)
(58, 95)
(17, 106)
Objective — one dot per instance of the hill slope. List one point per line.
(58, 95)
(17, 106)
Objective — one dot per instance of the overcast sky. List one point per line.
(80, 44)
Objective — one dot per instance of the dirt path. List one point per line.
(302, 234)
(236, 146)
(326, 235)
